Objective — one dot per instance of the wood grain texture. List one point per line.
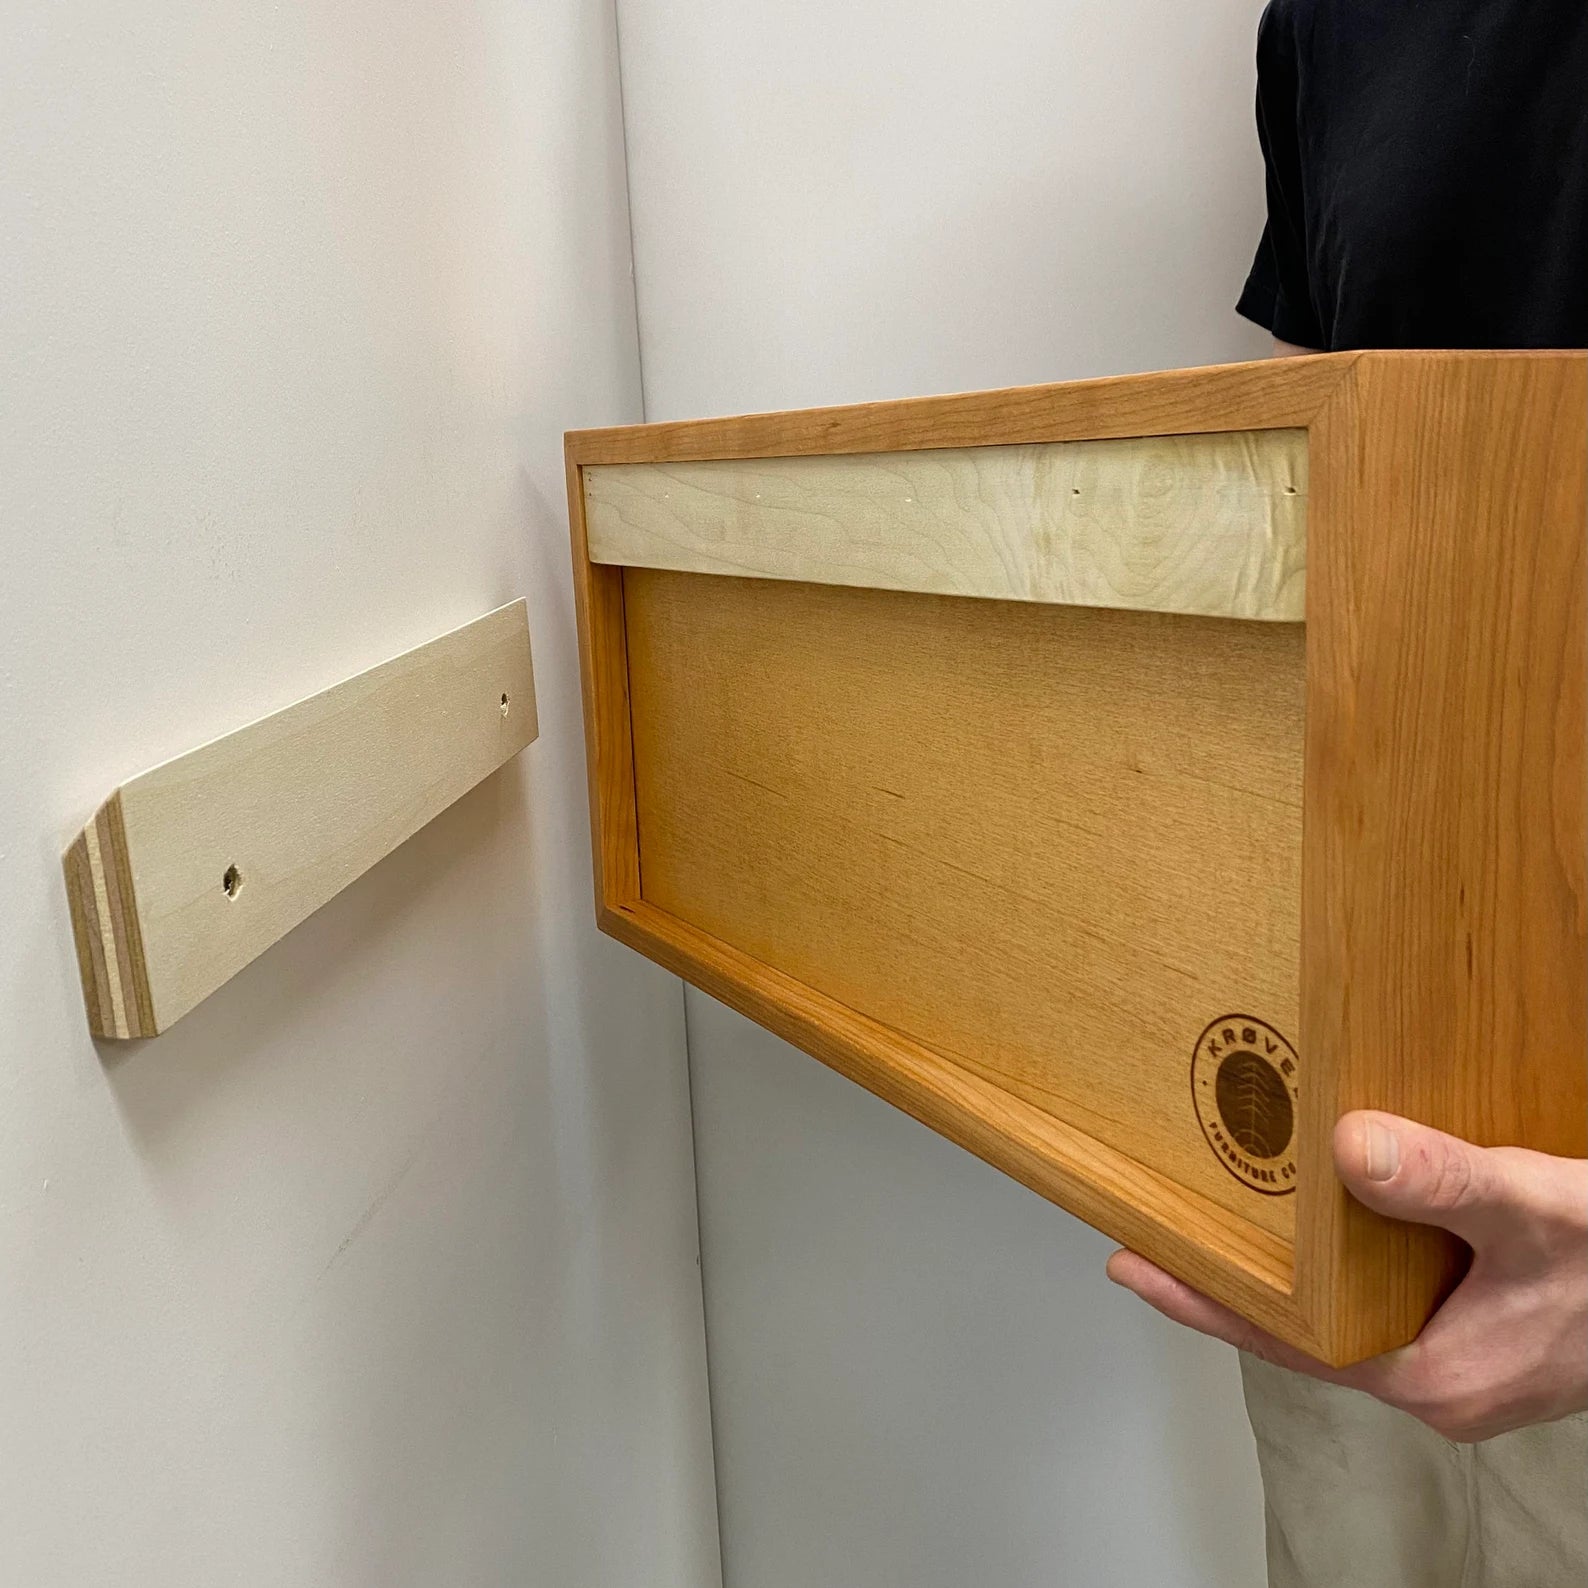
(1050, 843)
(1240, 1264)
(604, 682)
(1446, 790)
(194, 868)
(105, 927)
(1442, 900)
(1204, 524)
(1274, 394)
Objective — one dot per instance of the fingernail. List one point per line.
(1383, 1151)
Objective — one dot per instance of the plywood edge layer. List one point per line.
(194, 868)
(105, 928)
(1224, 1256)
(1212, 525)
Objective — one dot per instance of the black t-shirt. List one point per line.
(1427, 173)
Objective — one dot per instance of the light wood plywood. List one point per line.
(191, 870)
(1207, 524)
(1052, 843)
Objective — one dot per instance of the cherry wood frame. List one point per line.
(1445, 806)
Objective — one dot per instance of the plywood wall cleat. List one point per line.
(195, 867)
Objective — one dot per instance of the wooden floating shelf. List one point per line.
(196, 867)
(1249, 789)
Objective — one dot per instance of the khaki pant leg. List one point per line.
(1356, 1495)
(1530, 1508)
(1360, 1496)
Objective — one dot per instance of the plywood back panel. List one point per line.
(1050, 843)
(1212, 524)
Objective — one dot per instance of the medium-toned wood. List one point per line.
(1051, 842)
(1447, 964)
(1273, 394)
(192, 869)
(1203, 524)
(1244, 1266)
(1443, 848)
(604, 679)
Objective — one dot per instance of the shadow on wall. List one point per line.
(930, 1379)
(348, 1148)
(341, 965)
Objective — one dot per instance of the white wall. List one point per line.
(379, 1268)
(919, 1373)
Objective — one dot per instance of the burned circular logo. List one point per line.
(1243, 1082)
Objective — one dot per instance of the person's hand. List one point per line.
(1510, 1345)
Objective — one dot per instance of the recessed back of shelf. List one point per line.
(1053, 842)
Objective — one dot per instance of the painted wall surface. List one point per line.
(919, 1372)
(380, 1267)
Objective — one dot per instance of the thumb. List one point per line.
(1409, 1171)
